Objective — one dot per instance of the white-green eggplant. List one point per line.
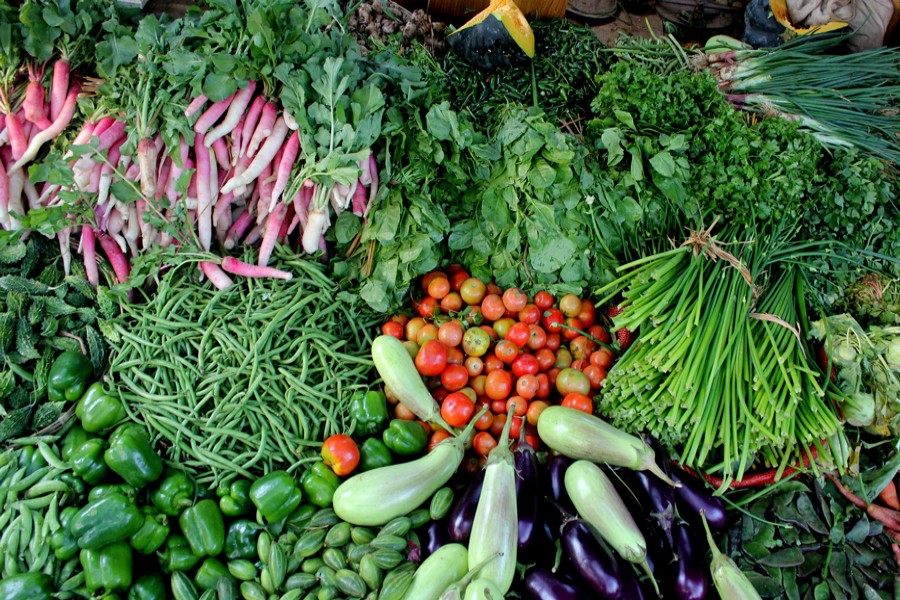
(447, 565)
(729, 580)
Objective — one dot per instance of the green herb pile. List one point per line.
(244, 380)
(42, 313)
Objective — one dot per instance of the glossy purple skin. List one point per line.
(594, 563)
(462, 516)
(693, 497)
(691, 580)
(433, 537)
(527, 495)
(542, 584)
(556, 481)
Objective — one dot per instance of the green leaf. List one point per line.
(346, 227)
(663, 163)
(551, 254)
(125, 191)
(789, 557)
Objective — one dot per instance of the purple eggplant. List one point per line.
(433, 537)
(632, 589)
(594, 563)
(461, 517)
(556, 481)
(527, 494)
(691, 580)
(660, 499)
(543, 584)
(693, 497)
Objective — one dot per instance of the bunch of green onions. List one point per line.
(718, 373)
(849, 100)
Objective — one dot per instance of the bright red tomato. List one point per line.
(543, 300)
(483, 443)
(543, 386)
(492, 362)
(454, 377)
(340, 453)
(578, 401)
(530, 315)
(519, 334)
(595, 375)
(506, 351)
(537, 337)
(498, 384)
(427, 306)
(457, 409)
(552, 319)
(457, 279)
(431, 358)
(525, 364)
(393, 329)
(429, 277)
(588, 313)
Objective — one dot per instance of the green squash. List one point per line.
(499, 36)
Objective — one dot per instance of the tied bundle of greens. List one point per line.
(247, 379)
(719, 373)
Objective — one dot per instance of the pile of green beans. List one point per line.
(718, 373)
(247, 379)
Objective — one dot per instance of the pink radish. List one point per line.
(59, 84)
(216, 275)
(110, 135)
(237, 108)
(264, 187)
(264, 128)
(94, 180)
(359, 199)
(162, 177)
(15, 205)
(89, 252)
(285, 223)
(264, 157)
(103, 124)
(236, 267)
(373, 186)
(212, 114)
(238, 229)
(236, 139)
(254, 236)
(146, 160)
(17, 138)
(116, 257)
(221, 151)
(204, 200)
(273, 228)
(222, 216)
(57, 127)
(4, 197)
(33, 104)
(195, 105)
(283, 174)
(249, 127)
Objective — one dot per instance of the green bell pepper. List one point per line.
(110, 519)
(31, 459)
(203, 526)
(209, 573)
(406, 438)
(63, 542)
(132, 457)
(87, 461)
(104, 490)
(275, 495)
(177, 555)
(234, 499)
(173, 493)
(152, 534)
(75, 437)
(240, 541)
(97, 410)
(369, 410)
(374, 454)
(26, 586)
(319, 484)
(77, 491)
(108, 568)
(150, 586)
(69, 376)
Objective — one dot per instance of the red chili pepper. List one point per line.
(755, 480)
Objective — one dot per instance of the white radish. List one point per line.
(89, 253)
(236, 109)
(31, 195)
(263, 158)
(216, 275)
(316, 226)
(62, 236)
(204, 197)
(264, 128)
(16, 186)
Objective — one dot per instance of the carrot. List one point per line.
(263, 158)
(50, 133)
(850, 496)
(89, 253)
(216, 275)
(236, 267)
(236, 109)
(58, 86)
(888, 495)
(888, 516)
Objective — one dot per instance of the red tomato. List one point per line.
(492, 307)
(506, 351)
(574, 327)
(428, 277)
(402, 319)
(579, 364)
(437, 437)
(492, 362)
(570, 305)
(477, 383)
(599, 333)
(527, 386)
(483, 443)
(553, 341)
(401, 412)
(455, 356)
(499, 407)
(490, 331)
(450, 333)
(498, 384)
(457, 279)
(452, 302)
(545, 358)
(485, 421)
(413, 326)
(502, 326)
(426, 307)
(525, 364)
(537, 337)
(531, 437)
(393, 329)
(515, 427)
(572, 380)
(454, 377)
(428, 331)
(439, 287)
(474, 366)
(603, 358)
(457, 409)
(439, 394)
(519, 334)
(518, 404)
(431, 358)
(472, 291)
(493, 288)
(588, 313)
(578, 402)
(543, 300)
(581, 347)
(340, 453)
(552, 374)
(497, 426)
(530, 315)
(552, 319)
(595, 375)
(534, 411)
(543, 386)
(514, 299)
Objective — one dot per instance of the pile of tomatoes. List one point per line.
(478, 346)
